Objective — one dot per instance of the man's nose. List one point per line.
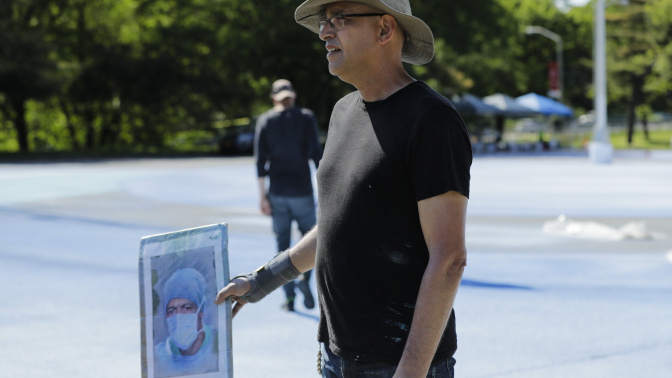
(327, 32)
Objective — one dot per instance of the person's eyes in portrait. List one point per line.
(188, 308)
(180, 306)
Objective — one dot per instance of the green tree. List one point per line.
(132, 74)
(534, 52)
(470, 39)
(638, 60)
(659, 84)
(26, 68)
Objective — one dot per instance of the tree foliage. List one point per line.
(638, 62)
(26, 68)
(130, 75)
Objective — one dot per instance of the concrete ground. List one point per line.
(532, 303)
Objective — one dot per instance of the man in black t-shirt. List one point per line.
(389, 245)
(285, 140)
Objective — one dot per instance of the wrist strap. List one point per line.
(275, 273)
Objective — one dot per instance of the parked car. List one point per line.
(237, 140)
(584, 121)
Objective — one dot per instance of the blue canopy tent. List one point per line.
(509, 108)
(470, 105)
(544, 105)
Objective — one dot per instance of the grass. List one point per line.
(191, 144)
(658, 140)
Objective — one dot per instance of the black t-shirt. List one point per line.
(283, 143)
(380, 159)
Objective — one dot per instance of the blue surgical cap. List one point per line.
(185, 283)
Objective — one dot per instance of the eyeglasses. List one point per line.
(338, 21)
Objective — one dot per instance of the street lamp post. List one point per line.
(558, 51)
(600, 149)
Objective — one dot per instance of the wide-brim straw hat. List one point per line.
(419, 45)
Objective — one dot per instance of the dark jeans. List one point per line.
(337, 367)
(285, 211)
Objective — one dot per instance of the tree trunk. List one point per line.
(20, 124)
(631, 111)
(499, 126)
(109, 133)
(71, 128)
(636, 97)
(90, 132)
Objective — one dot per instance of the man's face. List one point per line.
(349, 48)
(287, 102)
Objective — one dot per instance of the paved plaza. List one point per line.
(574, 302)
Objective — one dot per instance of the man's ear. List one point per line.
(387, 26)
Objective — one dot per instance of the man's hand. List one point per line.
(236, 288)
(265, 206)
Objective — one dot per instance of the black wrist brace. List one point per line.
(269, 277)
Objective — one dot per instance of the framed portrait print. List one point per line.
(183, 332)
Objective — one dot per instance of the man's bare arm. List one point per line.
(303, 253)
(443, 221)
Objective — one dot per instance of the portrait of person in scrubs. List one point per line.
(191, 346)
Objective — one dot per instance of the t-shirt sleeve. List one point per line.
(440, 154)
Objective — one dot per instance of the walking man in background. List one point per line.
(285, 140)
(389, 246)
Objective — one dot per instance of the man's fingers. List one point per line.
(237, 287)
(265, 206)
(237, 308)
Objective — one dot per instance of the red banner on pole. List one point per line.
(553, 76)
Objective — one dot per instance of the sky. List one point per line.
(576, 3)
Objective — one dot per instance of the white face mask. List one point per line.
(183, 328)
